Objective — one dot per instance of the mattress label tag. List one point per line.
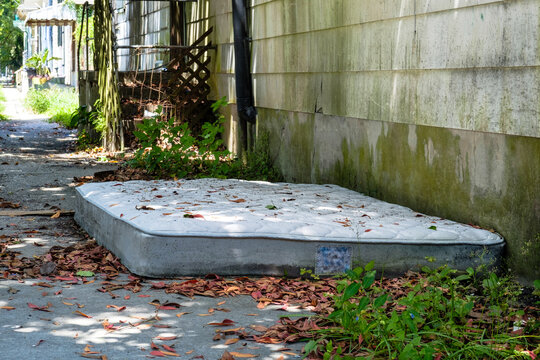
(333, 259)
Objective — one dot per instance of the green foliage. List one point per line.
(85, 273)
(431, 319)
(39, 63)
(81, 116)
(165, 148)
(91, 125)
(93, 118)
(2, 105)
(38, 101)
(97, 118)
(62, 109)
(57, 103)
(11, 37)
(258, 164)
(308, 273)
(169, 149)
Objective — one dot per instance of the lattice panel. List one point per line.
(188, 88)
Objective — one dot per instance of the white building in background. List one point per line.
(49, 24)
(145, 23)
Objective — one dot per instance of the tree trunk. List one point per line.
(113, 139)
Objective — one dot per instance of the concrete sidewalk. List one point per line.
(77, 316)
(36, 173)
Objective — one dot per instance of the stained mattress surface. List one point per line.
(253, 209)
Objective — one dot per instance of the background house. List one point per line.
(49, 24)
(430, 104)
(144, 32)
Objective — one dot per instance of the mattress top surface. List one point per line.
(255, 209)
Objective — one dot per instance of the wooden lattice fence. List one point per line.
(188, 86)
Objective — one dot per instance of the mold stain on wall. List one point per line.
(490, 180)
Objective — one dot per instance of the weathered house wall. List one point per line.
(433, 104)
(142, 23)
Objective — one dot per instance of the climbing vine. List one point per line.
(113, 138)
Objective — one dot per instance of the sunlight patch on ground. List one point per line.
(51, 189)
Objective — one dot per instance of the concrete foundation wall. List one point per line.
(433, 104)
(480, 178)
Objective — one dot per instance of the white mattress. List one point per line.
(244, 209)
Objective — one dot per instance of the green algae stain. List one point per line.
(291, 142)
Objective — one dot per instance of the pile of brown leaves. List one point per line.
(61, 261)
(124, 173)
(89, 256)
(312, 295)
(8, 205)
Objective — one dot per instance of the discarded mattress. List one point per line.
(192, 227)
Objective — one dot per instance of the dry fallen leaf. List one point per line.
(242, 355)
(262, 305)
(259, 328)
(168, 348)
(38, 343)
(165, 338)
(40, 308)
(225, 322)
(82, 314)
(56, 214)
(230, 331)
(91, 356)
(169, 353)
(157, 353)
(226, 356)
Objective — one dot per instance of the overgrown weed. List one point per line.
(91, 125)
(436, 314)
(57, 103)
(2, 106)
(169, 150)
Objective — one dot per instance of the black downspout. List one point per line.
(244, 88)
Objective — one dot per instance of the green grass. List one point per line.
(436, 314)
(57, 103)
(2, 105)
